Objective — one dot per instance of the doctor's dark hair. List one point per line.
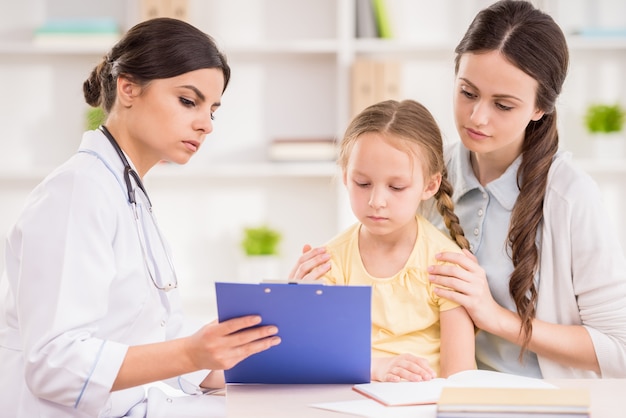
(154, 49)
(532, 41)
(409, 127)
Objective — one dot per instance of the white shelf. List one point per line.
(27, 48)
(604, 166)
(212, 170)
(23, 175)
(400, 46)
(245, 170)
(314, 46)
(411, 48)
(587, 43)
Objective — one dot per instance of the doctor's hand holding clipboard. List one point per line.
(92, 312)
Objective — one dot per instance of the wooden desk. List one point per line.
(608, 398)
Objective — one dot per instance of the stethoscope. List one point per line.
(129, 173)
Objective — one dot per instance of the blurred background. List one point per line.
(300, 69)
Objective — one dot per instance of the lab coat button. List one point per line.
(476, 231)
(163, 323)
(480, 212)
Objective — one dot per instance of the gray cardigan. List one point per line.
(583, 270)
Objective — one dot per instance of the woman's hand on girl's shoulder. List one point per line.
(312, 264)
(466, 283)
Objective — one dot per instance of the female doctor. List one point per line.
(92, 310)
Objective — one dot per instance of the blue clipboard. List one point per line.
(325, 332)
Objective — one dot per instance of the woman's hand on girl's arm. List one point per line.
(467, 283)
(569, 345)
(312, 264)
(402, 367)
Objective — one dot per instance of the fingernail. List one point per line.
(430, 268)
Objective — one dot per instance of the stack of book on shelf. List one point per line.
(374, 80)
(601, 32)
(412, 21)
(372, 20)
(460, 402)
(86, 32)
(178, 9)
(302, 149)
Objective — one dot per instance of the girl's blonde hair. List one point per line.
(408, 122)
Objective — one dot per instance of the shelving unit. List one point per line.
(291, 63)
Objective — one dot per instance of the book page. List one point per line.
(487, 378)
(403, 393)
(417, 393)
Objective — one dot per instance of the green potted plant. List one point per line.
(260, 240)
(605, 122)
(260, 245)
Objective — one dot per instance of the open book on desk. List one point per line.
(428, 392)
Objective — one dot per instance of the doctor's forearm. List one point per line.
(152, 362)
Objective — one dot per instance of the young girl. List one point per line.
(392, 160)
(92, 311)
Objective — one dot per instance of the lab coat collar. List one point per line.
(97, 143)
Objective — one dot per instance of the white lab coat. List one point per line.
(79, 295)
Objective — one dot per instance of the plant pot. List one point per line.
(608, 145)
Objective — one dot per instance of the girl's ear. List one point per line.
(431, 186)
(127, 91)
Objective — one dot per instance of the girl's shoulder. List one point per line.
(345, 237)
(431, 240)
